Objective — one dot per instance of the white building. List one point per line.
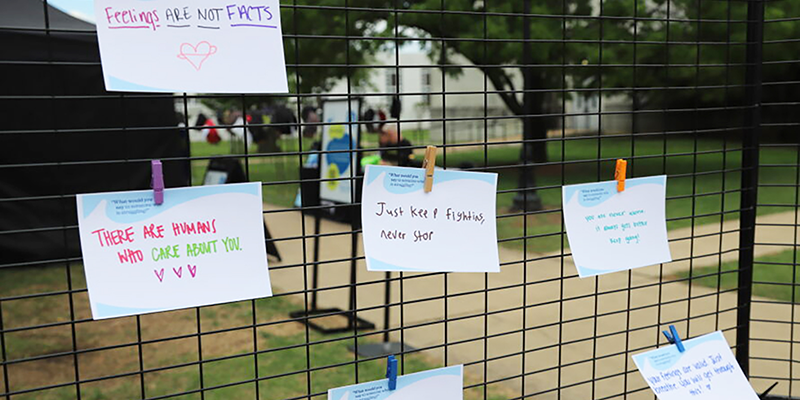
(421, 84)
(466, 108)
(414, 69)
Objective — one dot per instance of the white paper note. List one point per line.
(612, 231)
(203, 245)
(707, 370)
(199, 46)
(440, 384)
(450, 229)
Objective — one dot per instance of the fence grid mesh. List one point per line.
(545, 93)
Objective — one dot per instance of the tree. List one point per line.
(312, 31)
(701, 74)
(464, 27)
(315, 57)
(552, 45)
(701, 43)
(618, 45)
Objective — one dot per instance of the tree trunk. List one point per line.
(532, 128)
(533, 150)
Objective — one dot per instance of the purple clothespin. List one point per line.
(157, 182)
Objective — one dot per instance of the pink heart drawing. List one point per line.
(197, 54)
(161, 275)
(178, 271)
(192, 271)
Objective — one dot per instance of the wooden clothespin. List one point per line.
(429, 163)
(619, 174)
(391, 372)
(157, 182)
(672, 337)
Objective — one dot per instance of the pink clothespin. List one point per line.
(157, 182)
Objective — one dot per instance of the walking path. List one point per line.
(562, 313)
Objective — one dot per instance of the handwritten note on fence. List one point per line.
(203, 46)
(203, 245)
(707, 370)
(613, 231)
(450, 229)
(440, 384)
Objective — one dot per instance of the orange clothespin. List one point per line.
(429, 163)
(619, 174)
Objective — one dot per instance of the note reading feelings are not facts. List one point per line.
(450, 229)
(440, 384)
(707, 370)
(204, 245)
(612, 231)
(199, 46)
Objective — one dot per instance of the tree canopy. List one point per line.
(580, 44)
(609, 44)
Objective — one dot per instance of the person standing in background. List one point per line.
(240, 135)
(310, 116)
(209, 132)
(395, 149)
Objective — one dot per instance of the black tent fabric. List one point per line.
(61, 133)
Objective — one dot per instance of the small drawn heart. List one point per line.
(160, 275)
(197, 54)
(178, 271)
(192, 270)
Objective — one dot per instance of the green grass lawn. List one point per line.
(693, 198)
(281, 365)
(657, 157)
(693, 191)
(268, 168)
(776, 276)
(704, 178)
(275, 168)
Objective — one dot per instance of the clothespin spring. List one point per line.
(429, 163)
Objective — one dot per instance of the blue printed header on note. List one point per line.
(440, 384)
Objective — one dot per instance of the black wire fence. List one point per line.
(545, 93)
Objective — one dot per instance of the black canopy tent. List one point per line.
(61, 133)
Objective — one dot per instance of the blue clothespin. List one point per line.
(391, 372)
(157, 182)
(672, 337)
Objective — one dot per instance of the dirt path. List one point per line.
(556, 333)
